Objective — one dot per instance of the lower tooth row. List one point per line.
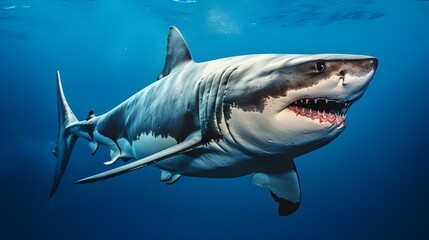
(323, 117)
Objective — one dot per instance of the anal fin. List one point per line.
(283, 183)
(93, 145)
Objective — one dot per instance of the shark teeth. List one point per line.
(322, 109)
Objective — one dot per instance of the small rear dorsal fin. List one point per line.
(177, 52)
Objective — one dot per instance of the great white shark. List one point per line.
(224, 118)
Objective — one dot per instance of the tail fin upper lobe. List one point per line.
(66, 139)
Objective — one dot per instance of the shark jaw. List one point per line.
(322, 110)
(327, 103)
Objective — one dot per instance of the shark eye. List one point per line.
(320, 66)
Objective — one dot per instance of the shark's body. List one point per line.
(225, 118)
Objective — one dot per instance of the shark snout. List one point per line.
(374, 63)
(361, 68)
(370, 65)
(358, 71)
(355, 76)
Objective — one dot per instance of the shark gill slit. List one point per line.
(212, 91)
(219, 111)
(203, 89)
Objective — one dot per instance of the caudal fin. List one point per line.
(66, 139)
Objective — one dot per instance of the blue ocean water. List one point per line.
(369, 183)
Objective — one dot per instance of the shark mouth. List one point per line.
(322, 109)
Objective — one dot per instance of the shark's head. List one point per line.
(296, 102)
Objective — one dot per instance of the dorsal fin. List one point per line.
(177, 52)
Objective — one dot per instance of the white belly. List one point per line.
(211, 162)
(147, 145)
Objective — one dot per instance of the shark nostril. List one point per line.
(342, 74)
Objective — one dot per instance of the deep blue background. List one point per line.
(370, 183)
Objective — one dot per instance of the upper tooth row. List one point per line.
(317, 99)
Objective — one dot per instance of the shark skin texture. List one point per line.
(224, 118)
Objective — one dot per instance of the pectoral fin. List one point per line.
(283, 183)
(189, 143)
